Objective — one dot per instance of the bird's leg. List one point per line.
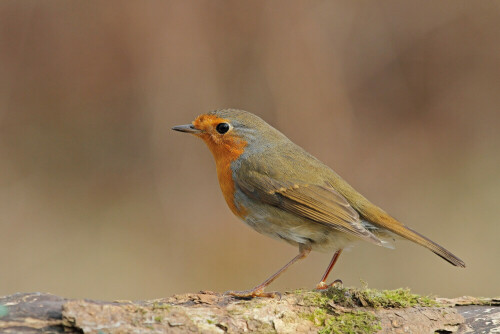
(258, 291)
(322, 285)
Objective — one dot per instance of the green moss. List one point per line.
(158, 319)
(338, 296)
(351, 323)
(318, 316)
(326, 316)
(346, 323)
(399, 298)
(350, 297)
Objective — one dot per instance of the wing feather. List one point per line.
(319, 203)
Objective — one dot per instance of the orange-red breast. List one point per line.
(282, 191)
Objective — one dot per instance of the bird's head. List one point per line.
(229, 132)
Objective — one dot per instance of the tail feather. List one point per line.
(379, 218)
(406, 232)
(435, 248)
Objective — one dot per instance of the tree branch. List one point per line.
(336, 311)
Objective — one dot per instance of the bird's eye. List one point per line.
(222, 128)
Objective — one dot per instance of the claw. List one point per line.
(337, 283)
(321, 286)
(324, 286)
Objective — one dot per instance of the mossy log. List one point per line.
(333, 311)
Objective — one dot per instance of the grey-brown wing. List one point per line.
(319, 203)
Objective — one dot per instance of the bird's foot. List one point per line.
(323, 286)
(257, 292)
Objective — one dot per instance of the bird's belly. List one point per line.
(282, 225)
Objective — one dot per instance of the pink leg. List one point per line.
(322, 285)
(258, 291)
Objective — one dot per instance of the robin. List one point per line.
(280, 190)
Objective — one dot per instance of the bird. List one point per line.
(282, 191)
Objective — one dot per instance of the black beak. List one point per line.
(189, 128)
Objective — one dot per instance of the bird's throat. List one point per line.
(224, 154)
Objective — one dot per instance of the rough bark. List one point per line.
(208, 312)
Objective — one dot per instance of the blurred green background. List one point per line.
(100, 199)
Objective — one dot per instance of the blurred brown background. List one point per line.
(100, 199)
